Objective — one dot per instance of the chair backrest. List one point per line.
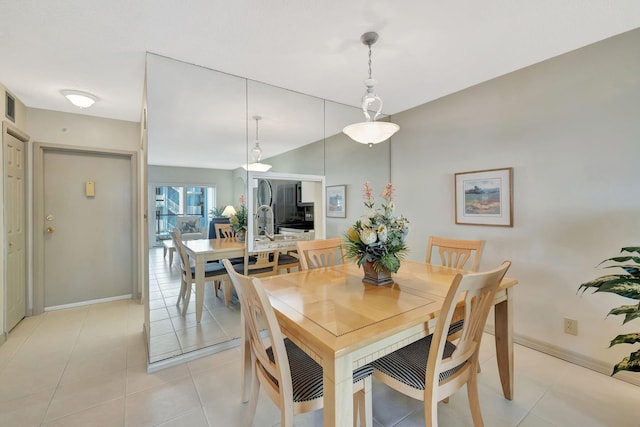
(213, 233)
(478, 291)
(258, 314)
(266, 264)
(224, 231)
(185, 266)
(320, 253)
(455, 253)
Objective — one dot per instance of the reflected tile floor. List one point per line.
(173, 334)
(86, 366)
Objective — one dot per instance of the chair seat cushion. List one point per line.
(284, 259)
(456, 327)
(211, 269)
(306, 373)
(409, 364)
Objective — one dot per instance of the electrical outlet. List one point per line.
(570, 326)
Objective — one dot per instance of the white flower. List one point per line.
(392, 206)
(368, 236)
(370, 213)
(382, 233)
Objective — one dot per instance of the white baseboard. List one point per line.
(571, 356)
(82, 303)
(192, 355)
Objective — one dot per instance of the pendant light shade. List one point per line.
(256, 154)
(370, 131)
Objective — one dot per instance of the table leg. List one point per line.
(338, 392)
(199, 287)
(504, 342)
(171, 251)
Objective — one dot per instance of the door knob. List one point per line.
(51, 229)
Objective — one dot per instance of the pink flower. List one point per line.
(242, 200)
(388, 191)
(368, 192)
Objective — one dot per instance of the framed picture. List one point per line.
(484, 197)
(337, 201)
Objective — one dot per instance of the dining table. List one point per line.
(205, 250)
(344, 323)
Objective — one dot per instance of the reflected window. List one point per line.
(173, 201)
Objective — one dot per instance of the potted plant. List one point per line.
(377, 241)
(239, 220)
(628, 286)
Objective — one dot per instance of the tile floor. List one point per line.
(173, 334)
(86, 366)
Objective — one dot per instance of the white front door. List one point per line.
(88, 239)
(14, 157)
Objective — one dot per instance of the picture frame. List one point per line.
(484, 197)
(336, 201)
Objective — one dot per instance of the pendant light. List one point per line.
(370, 131)
(256, 154)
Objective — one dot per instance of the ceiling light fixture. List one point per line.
(79, 99)
(370, 132)
(256, 154)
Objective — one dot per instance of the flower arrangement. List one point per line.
(240, 218)
(379, 237)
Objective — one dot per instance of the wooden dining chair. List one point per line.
(290, 377)
(224, 231)
(261, 264)
(213, 271)
(433, 368)
(288, 261)
(320, 253)
(456, 253)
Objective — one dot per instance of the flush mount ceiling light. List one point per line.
(256, 154)
(370, 132)
(79, 99)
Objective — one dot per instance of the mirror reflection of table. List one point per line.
(343, 323)
(204, 250)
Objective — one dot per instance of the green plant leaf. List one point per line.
(631, 363)
(625, 339)
(633, 270)
(597, 283)
(623, 259)
(630, 311)
(624, 287)
(631, 249)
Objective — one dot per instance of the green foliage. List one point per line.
(240, 219)
(216, 212)
(628, 286)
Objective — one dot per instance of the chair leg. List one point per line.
(187, 298)
(253, 400)
(474, 401)
(430, 409)
(226, 284)
(362, 405)
(216, 287)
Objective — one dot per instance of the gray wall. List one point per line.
(570, 128)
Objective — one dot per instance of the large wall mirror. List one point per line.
(201, 131)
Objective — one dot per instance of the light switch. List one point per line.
(90, 189)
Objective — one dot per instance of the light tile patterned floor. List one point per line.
(173, 334)
(86, 366)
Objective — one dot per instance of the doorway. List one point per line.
(85, 226)
(13, 142)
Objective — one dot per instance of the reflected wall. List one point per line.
(198, 118)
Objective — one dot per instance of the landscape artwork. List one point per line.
(484, 197)
(336, 201)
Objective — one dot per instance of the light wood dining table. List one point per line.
(204, 250)
(344, 323)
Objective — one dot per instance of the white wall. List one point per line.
(570, 128)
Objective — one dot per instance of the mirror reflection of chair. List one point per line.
(433, 368)
(213, 271)
(320, 253)
(224, 231)
(290, 377)
(261, 264)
